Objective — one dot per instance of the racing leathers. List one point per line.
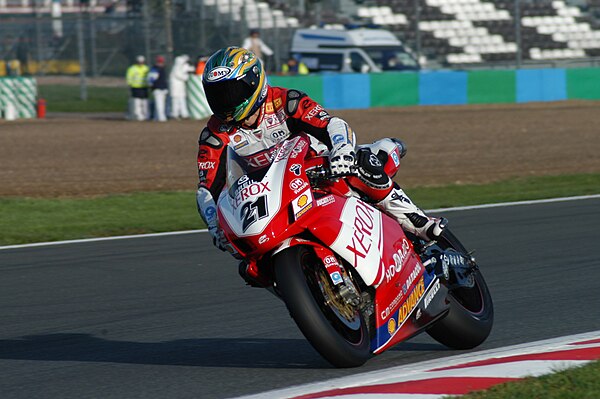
(284, 113)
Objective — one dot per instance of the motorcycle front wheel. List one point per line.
(471, 315)
(336, 330)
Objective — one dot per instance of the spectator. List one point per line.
(137, 79)
(294, 66)
(177, 82)
(200, 64)
(157, 79)
(255, 44)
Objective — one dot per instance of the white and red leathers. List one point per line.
(284, 113)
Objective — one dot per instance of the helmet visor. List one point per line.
(225, 98)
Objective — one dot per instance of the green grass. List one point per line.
(576, 383)
(518, 189)
(62, 98)
(24, 220)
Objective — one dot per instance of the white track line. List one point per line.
(458, 208)
(421, 370)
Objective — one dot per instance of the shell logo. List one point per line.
(392, 326)
(237, 139)
(302, 200)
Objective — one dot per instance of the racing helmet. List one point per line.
(235, 84)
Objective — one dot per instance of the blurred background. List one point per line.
(103, 37)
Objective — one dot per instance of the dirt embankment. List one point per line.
(452, 144)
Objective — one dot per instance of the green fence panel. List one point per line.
(310, 84)
(583, 83)
(394, 88)
(489, 87)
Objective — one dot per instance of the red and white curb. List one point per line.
(456, 375)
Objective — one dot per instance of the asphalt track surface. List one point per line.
(168, 317)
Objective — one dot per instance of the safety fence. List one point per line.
(351, 91)
(18, 97)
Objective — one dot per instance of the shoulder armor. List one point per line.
(210, 139)
(292, 101)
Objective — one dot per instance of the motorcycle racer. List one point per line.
(252, 118)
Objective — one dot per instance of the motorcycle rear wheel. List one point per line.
(471, 315)
(341, 338)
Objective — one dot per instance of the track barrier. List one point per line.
(18, 98)
(197, 104)
(392, 89)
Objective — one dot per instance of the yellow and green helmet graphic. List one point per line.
(235, 84)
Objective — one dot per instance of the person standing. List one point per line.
(157, 79)
(255, 44)
(137, 79)
(294, 66)
(177, 85)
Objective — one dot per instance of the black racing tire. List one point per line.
(296, 282)
(471, 314)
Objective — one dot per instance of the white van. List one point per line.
(355, 50)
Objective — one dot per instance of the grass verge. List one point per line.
(25, 220)
(575, 383)
(63, 98)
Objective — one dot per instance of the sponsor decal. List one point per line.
(317, 109)
(330, 199)
(407, 307)
(399, 258)
(302, 204)
(298, 149)
(330, 260)
(206, 165)
(411, 278)
(263, 239)
(374, 161)
(361, 240)
(239, 141)
(337, 139)
(260, 159)
(270, 108)
(284, 151)
(210, 212)
(277, 102)
(251, 190)
(400, 197)
(298, 185)
(296, 169)
(218, 73)
(333, 268)
(412, 301)
(432, 292)
(278, 135)
(418, 314)
(336, 278)
(395, 157)
(392, 326)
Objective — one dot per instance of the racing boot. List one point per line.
(411, 218)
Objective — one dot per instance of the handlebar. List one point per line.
(324, 173)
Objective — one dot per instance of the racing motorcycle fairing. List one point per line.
(266, 211)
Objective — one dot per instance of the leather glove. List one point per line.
(219, 239)
(342, 160)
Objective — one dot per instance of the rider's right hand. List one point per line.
(342, 160)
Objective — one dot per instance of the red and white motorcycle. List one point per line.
(353, 281)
